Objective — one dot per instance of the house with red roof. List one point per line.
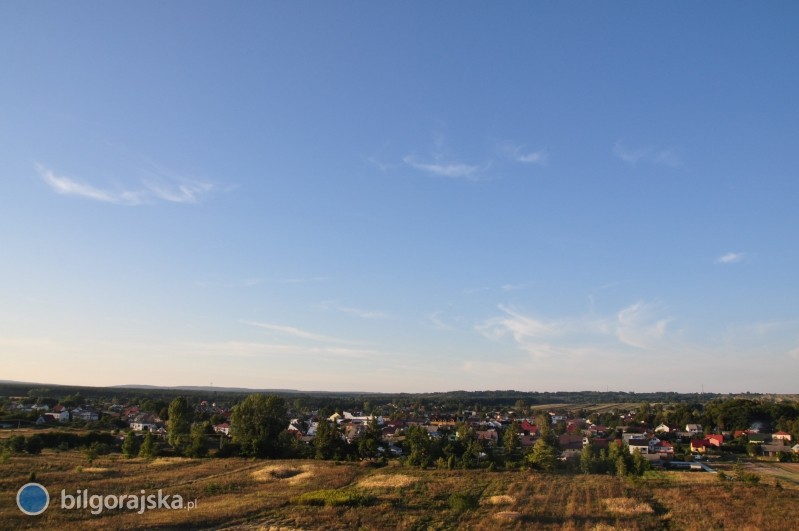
(700, 445)
(528, 429)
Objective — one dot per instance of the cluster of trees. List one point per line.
(94, 443)
(615, 460)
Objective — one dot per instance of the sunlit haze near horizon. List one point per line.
(405, 196)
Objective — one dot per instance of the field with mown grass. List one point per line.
(284, 495)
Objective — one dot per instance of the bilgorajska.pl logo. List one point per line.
(131, 502)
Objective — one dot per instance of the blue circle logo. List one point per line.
(32, 499)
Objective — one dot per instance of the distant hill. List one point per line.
(207, 388)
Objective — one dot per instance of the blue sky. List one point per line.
(401, 196)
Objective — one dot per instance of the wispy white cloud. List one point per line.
(68, 186)
(633, 155)
(436, 319)
(252, 349)
(186, 191)
(358, 312)
(730, 258)
(640, 325)
(518, 153)
(157, 187)
(455, 170)
(629, 154)
(297, 332)
(516, 287)
(521, 327)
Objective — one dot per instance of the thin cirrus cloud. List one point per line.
(156, 188)
(358, 312)
(297, 332)
(730, 258)
(634, 155)
(453, 170)
(518, 153)
(640, 325)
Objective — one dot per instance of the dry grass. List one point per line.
(508, 515)
(387, 481)
(246, 494)
(502, 499)
(169, 461)
(627, 506)
(296, 474)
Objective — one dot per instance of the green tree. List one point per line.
(34, 445)
(256, 423)
(130, 446)
(197, 448)
(419, 444)
(72, 401)
(329, 442)
(148, 448)
(621, 467)
(510, 440)
(542, 457)
(640, 464)
(370, 440)
(180, 417)
(17, 444)
(587, 459)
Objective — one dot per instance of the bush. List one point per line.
(460, 502)
(334, 498)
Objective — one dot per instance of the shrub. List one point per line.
(460, 502)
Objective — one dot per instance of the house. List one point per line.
(60, 416)
(664, 449)
(488, 436)
(528, 429)
(223, 428)
(570, 442)
(715, 440)
(774, 450)
(795, 448)
(627, 437)
(700, 445)
(295, 427)
(442, 420)
(664, 428)
(433, 432)
(694, 429)
(781, 436)
(85, 414)
(642, 445)
(353, 432)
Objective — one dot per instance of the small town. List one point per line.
(492, 436)
(255, 443)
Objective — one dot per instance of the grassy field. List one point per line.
(257, 494)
